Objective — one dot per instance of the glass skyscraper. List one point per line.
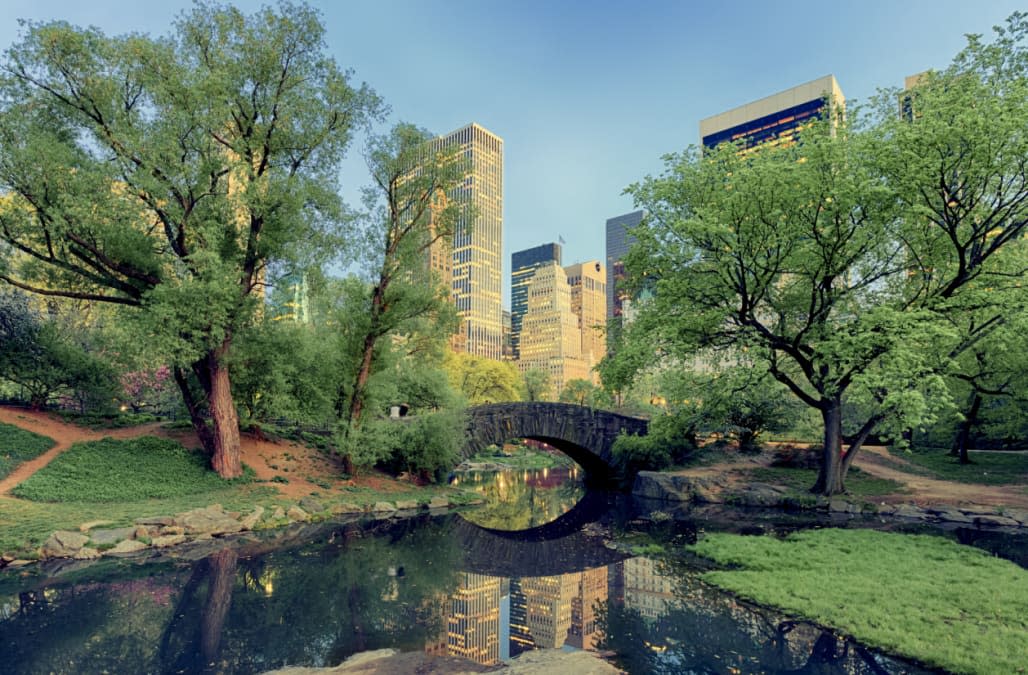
(618, 243)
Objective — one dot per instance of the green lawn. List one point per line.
(112, 470)
(987, 468)
(858, 483)
(18, 445)
(927, 598)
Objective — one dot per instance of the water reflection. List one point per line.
(414, 585)
(520, 500)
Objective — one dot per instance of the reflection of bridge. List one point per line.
(586, 435)
(558, 547)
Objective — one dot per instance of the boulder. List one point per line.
(383, 507)
(63, 544)
(112, 536)
(250, 521)
(278, 514)
(127, 546)
(438, 503)
(156, 520)
(677, 487)
(86, 553)
(910, 511)
(297, 514)
(340, 509)
(995, 521)
(168, 540)
(407, 505)
(311, 505)
(1018, 515)
(212, 520)
(953, 516)
(86, 527)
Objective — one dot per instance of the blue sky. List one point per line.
(588, 95)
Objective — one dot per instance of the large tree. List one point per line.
(835, 261)
(164, 174)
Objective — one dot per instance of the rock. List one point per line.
(17, 562)
(278, 513)
(340, 509)
(172, 529)
(383, 507)
(111, 537)
(250, 521)
(438, 503)
(86, 527)
(886, 509)
(407, 505)
(156, 520)
(168, 540)
(127, 546)
(840, 506)
(63, 544)
(677, 487)
(144, 531)
(297, 514)
(311, 505)
(1018, 515)
(909, 511)
(86, 553)
(995, 521)
(211, 520)
(953, 516)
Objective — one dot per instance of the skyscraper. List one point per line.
(774, 120)
(618, 243)
(523, 265)
(476, 275)
(588, 283)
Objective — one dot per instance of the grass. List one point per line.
(112, 470)
(922, 597)
(987, 468)
(114, 420)
(858, 483)
(524, 458)
(18, 445)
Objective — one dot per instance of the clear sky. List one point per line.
(589, 94)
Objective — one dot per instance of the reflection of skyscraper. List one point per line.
(548, 602)
(477, 247)
(523, 265)
(647, 590)
(592, 589)
(473, 624)
(520, 634)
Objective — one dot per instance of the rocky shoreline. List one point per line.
(674, 487)
(94, 540)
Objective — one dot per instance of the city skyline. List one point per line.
(588, 97)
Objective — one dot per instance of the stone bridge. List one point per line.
(585, 434)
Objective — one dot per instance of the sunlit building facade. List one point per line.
(523, 265)
(473, 622)
(776, 120)
(588, 282)
(477, 268)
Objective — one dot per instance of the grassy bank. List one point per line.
(986, 468)
(858, 483)
(18, 445)
(922, 597)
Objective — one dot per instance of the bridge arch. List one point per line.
(585, 434)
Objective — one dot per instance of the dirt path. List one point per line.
(306, 469)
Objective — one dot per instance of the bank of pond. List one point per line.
(703, 590)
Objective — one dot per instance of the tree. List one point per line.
(583, 392)
(536, 384)
(835, 261)
(483, 380)
(409, 216)
(165, 174)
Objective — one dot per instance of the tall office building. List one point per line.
(477, 266)
(618, 242)
(473, 622)
(774, 120)
(523, 265)
(551, 340)
(588, 283)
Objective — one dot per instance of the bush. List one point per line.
(671, 439)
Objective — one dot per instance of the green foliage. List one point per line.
(535, 384)
(111, 470)
(583, 392)
(483, 380)
(430, 444)
(671, 439)
(923, 597)
(18, 445)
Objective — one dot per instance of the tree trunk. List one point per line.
(367, 354)
(222, 441)
(964, 430)
(830, 477)
(221, 582)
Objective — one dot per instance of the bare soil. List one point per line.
(299, 464)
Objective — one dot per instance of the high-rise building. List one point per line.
(619, 240)
(473, 622)
(551, 340)
(523, 265)
(592, 590)
(588, 283)
(774, 120)
(477, 267)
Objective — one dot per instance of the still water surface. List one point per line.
(439, 584)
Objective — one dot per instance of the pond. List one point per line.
(439, 584)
